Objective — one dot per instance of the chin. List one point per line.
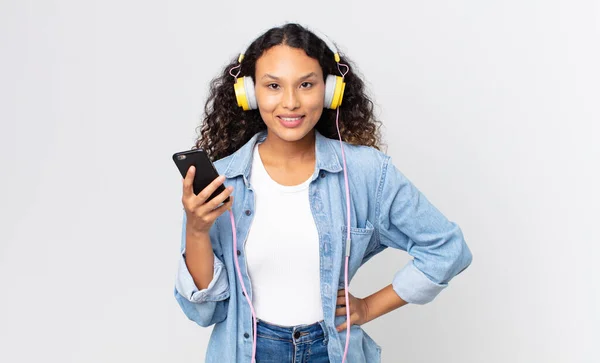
(290, 134)
(294, 134)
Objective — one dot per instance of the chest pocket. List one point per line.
(362, 243)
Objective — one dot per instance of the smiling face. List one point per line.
(289, 92)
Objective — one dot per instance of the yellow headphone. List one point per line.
(334, 86)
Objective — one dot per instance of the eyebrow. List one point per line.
(311, 74)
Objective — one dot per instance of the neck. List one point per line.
(281, 153)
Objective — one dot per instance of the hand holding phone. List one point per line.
(205, 170)
(204, 196)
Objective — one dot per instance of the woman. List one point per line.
(295, 185)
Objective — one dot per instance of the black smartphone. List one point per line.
(205, 170)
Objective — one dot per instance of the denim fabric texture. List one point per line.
(301, 344)
(387, 210)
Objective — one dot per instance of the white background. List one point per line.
(490, 107)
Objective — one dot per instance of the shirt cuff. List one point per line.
(414, 287)
(217, 290)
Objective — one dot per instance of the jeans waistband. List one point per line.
(297, 334)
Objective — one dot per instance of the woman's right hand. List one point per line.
(202, 214)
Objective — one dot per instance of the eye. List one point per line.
(273, 86)
(306, 85)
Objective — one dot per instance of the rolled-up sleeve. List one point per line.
(207, 306)
(408, 221)
(217, 290)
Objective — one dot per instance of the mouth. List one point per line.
(291, 121)
(293, 118)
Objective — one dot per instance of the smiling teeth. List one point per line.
(291, 119)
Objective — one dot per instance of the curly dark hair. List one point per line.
(226, 127)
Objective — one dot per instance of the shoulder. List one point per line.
(361, 157)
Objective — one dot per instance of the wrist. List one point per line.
(196, 234)
(368, 316)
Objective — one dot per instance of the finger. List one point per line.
(220, 198)
(341, 300)
(188, 182)
(342, 326)
(341, 292)
(210, 188)
(220, 210)
(218, 201)
(340, 311)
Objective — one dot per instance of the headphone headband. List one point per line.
(327, 42)
(317, 33)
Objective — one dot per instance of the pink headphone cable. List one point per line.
(237, 265)
(337, 125)
(347, 244)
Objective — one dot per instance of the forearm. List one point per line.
(199, 258)
(382, 302)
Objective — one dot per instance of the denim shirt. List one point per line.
(387, 210)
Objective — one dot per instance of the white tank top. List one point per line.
(282, 252)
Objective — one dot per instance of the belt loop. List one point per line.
(325, 332)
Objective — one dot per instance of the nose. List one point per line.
(290, 100)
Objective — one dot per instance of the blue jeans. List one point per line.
(297, 344)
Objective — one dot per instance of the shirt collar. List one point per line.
(326, 156)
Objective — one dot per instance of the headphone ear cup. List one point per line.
(334, 91)
(250, 95)
(329, 90)
(244, 93)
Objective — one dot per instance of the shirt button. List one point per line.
(248, 212)
(322, 175)
(246, 335)
(238, 252)
(297, 335)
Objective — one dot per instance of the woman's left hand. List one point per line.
(359, 311)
